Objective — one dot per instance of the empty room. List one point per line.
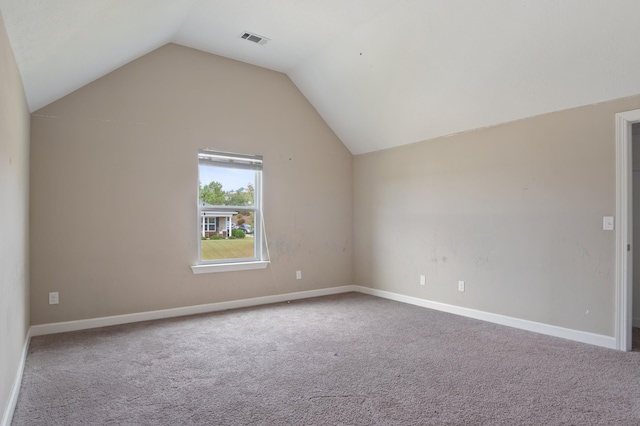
(218, 212)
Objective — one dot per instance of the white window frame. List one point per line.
(240, 161)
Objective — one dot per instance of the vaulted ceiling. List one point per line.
(382, 73)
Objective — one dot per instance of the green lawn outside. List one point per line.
(227, 249)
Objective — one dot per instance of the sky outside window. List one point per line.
(231, 179)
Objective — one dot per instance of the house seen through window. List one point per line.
(229, 207)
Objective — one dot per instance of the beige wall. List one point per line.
(114, 226)
(14, 214)
(515, 211)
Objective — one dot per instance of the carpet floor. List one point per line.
(348, 359)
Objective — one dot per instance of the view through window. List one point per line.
(229, 207)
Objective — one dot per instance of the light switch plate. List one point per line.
(607, 223)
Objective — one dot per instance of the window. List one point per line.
(208, 225)
(229, 210)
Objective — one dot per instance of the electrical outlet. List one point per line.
(298, 275)
(423, 281)
(460, 285)
(54, 298)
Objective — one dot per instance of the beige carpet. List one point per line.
(341, 360)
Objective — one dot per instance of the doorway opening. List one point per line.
(635, 219)
(624, 230)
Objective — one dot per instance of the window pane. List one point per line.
(223, 186)
(220, 249)
(227, 211)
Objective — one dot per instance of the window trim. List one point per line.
(234, 161)
(228, 267)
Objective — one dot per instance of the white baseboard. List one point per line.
(537, 327)
(61, 327)
(7, 416)
(636, 322)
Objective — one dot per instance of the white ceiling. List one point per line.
(382, 73)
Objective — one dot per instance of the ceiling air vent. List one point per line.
(254, 38)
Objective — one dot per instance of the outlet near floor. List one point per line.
(298, 275)
(460, 285)
(54, 298)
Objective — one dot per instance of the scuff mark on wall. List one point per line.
(583, 252)
(137, 123)
(283, 248)
(487, 249)
(45, 116)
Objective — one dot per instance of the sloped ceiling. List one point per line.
(382, 73)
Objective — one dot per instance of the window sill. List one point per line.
(228, 267)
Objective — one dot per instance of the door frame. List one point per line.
(624, 230)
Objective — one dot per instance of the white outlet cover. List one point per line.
(460, 285)
(607, 223)
(298, 275)
(423, 280)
